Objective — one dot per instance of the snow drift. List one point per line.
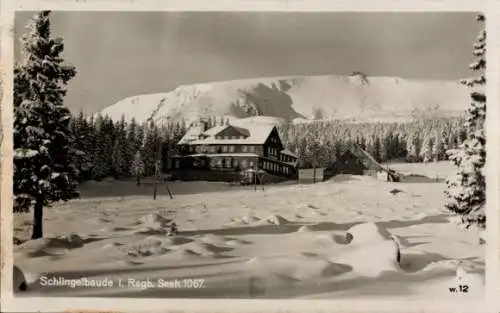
(300, 98)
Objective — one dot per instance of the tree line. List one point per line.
(121, 149)
(320, 143)
(124, 149)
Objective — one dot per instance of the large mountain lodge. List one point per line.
(220, 152)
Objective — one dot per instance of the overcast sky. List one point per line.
(120, 54)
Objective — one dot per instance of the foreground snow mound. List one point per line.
(367, 233)
(221, 240)
(331, 238)
(198, 249)
(371, 260)
(244, 220)
(295, 267)
(371, 251)
(19, 280)
(305, 229)
(157, 224)
(273, 219)
(51, 245)
(154, 245)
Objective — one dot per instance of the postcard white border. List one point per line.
(490, 303)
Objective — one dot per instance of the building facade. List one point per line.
(221, 151)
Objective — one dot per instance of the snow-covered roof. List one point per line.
(288, 152)
(192, 133)
(257, 134)
(214, 130)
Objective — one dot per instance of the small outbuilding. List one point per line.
(356, 161)
(312, 175)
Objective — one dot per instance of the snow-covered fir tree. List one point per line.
(137, 168)
(466, 189)
(411, 149)
(100, 165)
(120, 168)
(438, 148)
(43, 153)
(426, 150)
(149, 151)
(131, 145)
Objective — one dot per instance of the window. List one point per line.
(196, 163)
(251, 164)
(224, 149)
(235, 163)
(213, 162)
(244, 149)
(177, 164)
(232, 148)
(252, 149)
(228, 162)
(219, 162)
(244, 164)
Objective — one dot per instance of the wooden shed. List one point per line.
(312, 175)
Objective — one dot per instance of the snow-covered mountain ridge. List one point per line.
(297, 98)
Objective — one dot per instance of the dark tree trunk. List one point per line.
(138, 180)
(314, 173)
(38, 219)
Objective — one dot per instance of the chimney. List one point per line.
(203, 125)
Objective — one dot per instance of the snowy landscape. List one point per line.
(288, 240)
(318, 186)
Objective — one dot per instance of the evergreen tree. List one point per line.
(100, 162)
(119, 149)
(438, 148)
(131, 145)
(80, 130)
(149, 151)
(466, 190)
(43, 153)
(426, 150)
(137, 168)
(411, 150)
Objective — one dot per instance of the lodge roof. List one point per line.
(288, 152)
(256, 135)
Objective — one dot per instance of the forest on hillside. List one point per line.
(120, 149)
